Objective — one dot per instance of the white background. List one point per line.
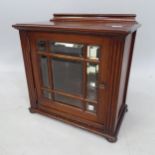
(22, 133)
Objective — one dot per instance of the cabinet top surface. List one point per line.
(90, 23)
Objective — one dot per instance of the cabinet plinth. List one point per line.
(77, 68)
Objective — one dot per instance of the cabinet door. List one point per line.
(69, 73)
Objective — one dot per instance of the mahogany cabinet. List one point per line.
(77, 68)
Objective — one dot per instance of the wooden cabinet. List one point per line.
(77, 68)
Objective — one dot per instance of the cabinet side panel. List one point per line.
(126, 64)
(26, 49)
(124, 71)
(129, 65)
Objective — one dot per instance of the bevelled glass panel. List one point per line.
(66, 48)
(68, 100)
(92, 75)
(91, 108)
(44, 71)
(41, 45)
(93, 52)
(47, 94)
(67, 76)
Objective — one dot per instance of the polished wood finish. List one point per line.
(94, 17)
(106, 26)
(115, 34)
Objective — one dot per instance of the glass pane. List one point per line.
(92, 75)
(66, 48)
(67, 76)
(91, 108)
(44, 71)
(47, 94)
(93, 52)
(68, 100)
(41, 45)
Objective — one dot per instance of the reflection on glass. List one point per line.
(93, 52)
(90, 107)
(66, 48)
(68, 100)
(92, 75)
(44, 71)
(47, 94)
(41, 45)
(67, 76)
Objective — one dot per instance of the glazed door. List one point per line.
(69, 73)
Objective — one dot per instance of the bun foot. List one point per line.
(32, 110)
(112, 139)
